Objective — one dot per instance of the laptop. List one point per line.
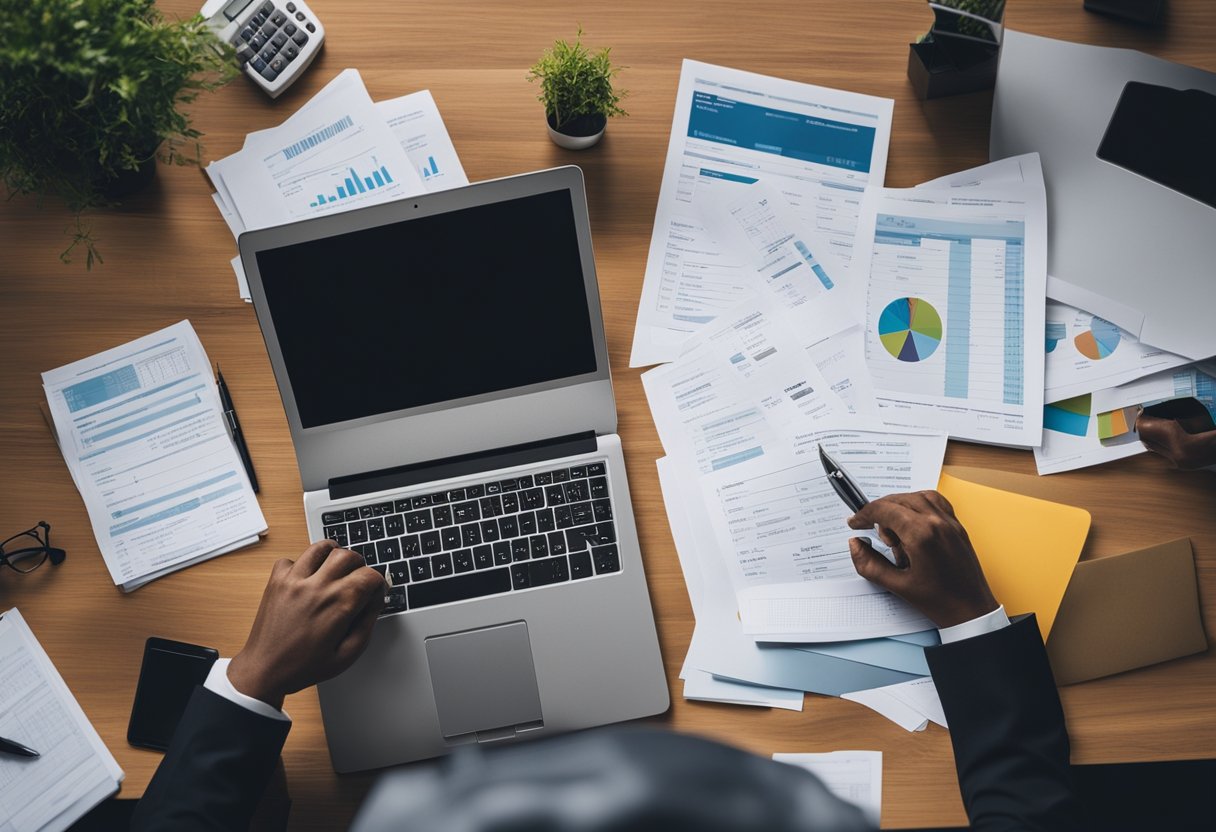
(444, 372)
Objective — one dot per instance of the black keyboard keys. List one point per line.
(420, 568)
(580, 565)
(399, 573)
(394, 600)
(606, 558)
(460, 587)
(502, 553)
(462, 559)
(483, 556)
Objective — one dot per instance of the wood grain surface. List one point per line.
(166, 258)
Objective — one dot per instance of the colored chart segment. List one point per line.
(1057, 331)
(910, 329)
(1117, 423)
(1069, 416)
(1100, 340)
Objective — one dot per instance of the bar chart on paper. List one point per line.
(354, 183)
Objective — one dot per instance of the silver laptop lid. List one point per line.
(434, 326)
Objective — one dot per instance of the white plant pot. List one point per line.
(574, 142)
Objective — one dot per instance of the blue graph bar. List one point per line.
(958, 321)
(333, 199)
(384, 170)
(379, 178)
(370, 185)
(320, 199)
(341, 192)
(350, 186)
(358, 184)
(434, 167)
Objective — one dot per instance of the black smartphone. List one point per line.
(167, 678)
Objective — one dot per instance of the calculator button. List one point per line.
(247, 34)
(279, 39)
(257, 20)
(269, 28)
(259, 40)
(269, 74)
(278, 18)
(291, 7)
(268, 53)
(300, 38)
(278, 64)
(289, 29)
(310, 27)
(300, 16)
(267, 8)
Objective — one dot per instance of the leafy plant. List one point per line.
(576, 83)
(91, 89)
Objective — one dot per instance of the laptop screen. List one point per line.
(465, 303)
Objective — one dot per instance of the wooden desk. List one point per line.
(166, 258)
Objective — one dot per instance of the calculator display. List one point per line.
(233, 9)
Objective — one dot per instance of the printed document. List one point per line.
(853, 776)
(818, 147)
(781, 530)
(954, 308)
(1070, 438)
(910, 705)
(75, 771)
(144, 435)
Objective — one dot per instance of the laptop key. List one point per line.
(602, 509)
(544, 478)
(577, 471)
(381, 509)
(527, 523)
(357, 531)
(331, 517)
(521, 576)
(403, 505)
(483, 557)
(418, 521)
(421, 501)
(332, 532)
(441, 565)
(533, 498)
(493, 488)
(439, 498)
(375, 528)
(431, 543)
(489, 530)
(606, 558)
(510, 503)
(599, 488)
(561, 475)
(575, 542)
(582, 514)
(462, 559)
(599, 534)
(420, 568)
(525, 481)
(545, 572)
(464, 512)
(580, 565)
(562, 517)
(399, 573)
(442, 516)
(455, 495)
(451, 538)
(460, 587)
(350, 514)
(554, 495)
(365, 512)
(557, 543)
(576, 491)
(544, 520)
(394, 525)
(411, 546)
(474, 491)
(595, 469)
(382, 568)
(491, 506)
(388, 550)
(520, 550)
(507, 526)
(509, 485)
(368, 552)
(539, 545)
(394, 600)
(502, 553)
(470, 534)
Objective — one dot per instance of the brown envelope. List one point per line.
(1127, 611)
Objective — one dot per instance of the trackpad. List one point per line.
(484, 682)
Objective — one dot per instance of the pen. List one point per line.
(234, 426)
(851, 494)
(14, 747)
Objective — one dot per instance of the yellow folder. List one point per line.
(1028, 547)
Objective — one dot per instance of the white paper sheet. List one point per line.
(968, 266)
(743, 384)
(910, 705)
(142, 430)
(417, 125)
(818, 147)
(782, 532)
(1070, 438)
(853, 776)
(1086, 353)
(75, 771)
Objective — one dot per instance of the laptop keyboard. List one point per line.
(500, 536)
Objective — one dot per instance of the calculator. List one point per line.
(275, 41)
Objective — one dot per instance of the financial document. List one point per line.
(1087, 353)
(1071, 441)
(743, 385)
(782, 533)
(143, 433)
(853, 776)
(75, 771)
(955, 298)
(910, 705)
(818, 147)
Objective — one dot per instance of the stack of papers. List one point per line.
(75, 771)
(144, 436)
(337, 152)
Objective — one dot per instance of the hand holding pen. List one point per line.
(850, 492)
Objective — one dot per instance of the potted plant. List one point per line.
(90, 90)
(576, 89)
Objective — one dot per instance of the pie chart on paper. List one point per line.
(910, 329)
(1099, 341)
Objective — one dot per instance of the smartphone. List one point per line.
(169, 673)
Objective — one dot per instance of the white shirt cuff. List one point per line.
(219, 683)
(987, 623)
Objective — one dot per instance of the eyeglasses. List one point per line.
(30, 549)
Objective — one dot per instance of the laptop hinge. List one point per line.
(457, 466)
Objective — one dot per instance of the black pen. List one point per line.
(234, 426)
(14, 747)
(851, 494)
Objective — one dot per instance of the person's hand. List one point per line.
(1171, 439)
(939, 574)
(316, 618)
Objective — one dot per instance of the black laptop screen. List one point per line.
(429, 310)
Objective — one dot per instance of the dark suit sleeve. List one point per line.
(1007, 728)
(217, 766)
